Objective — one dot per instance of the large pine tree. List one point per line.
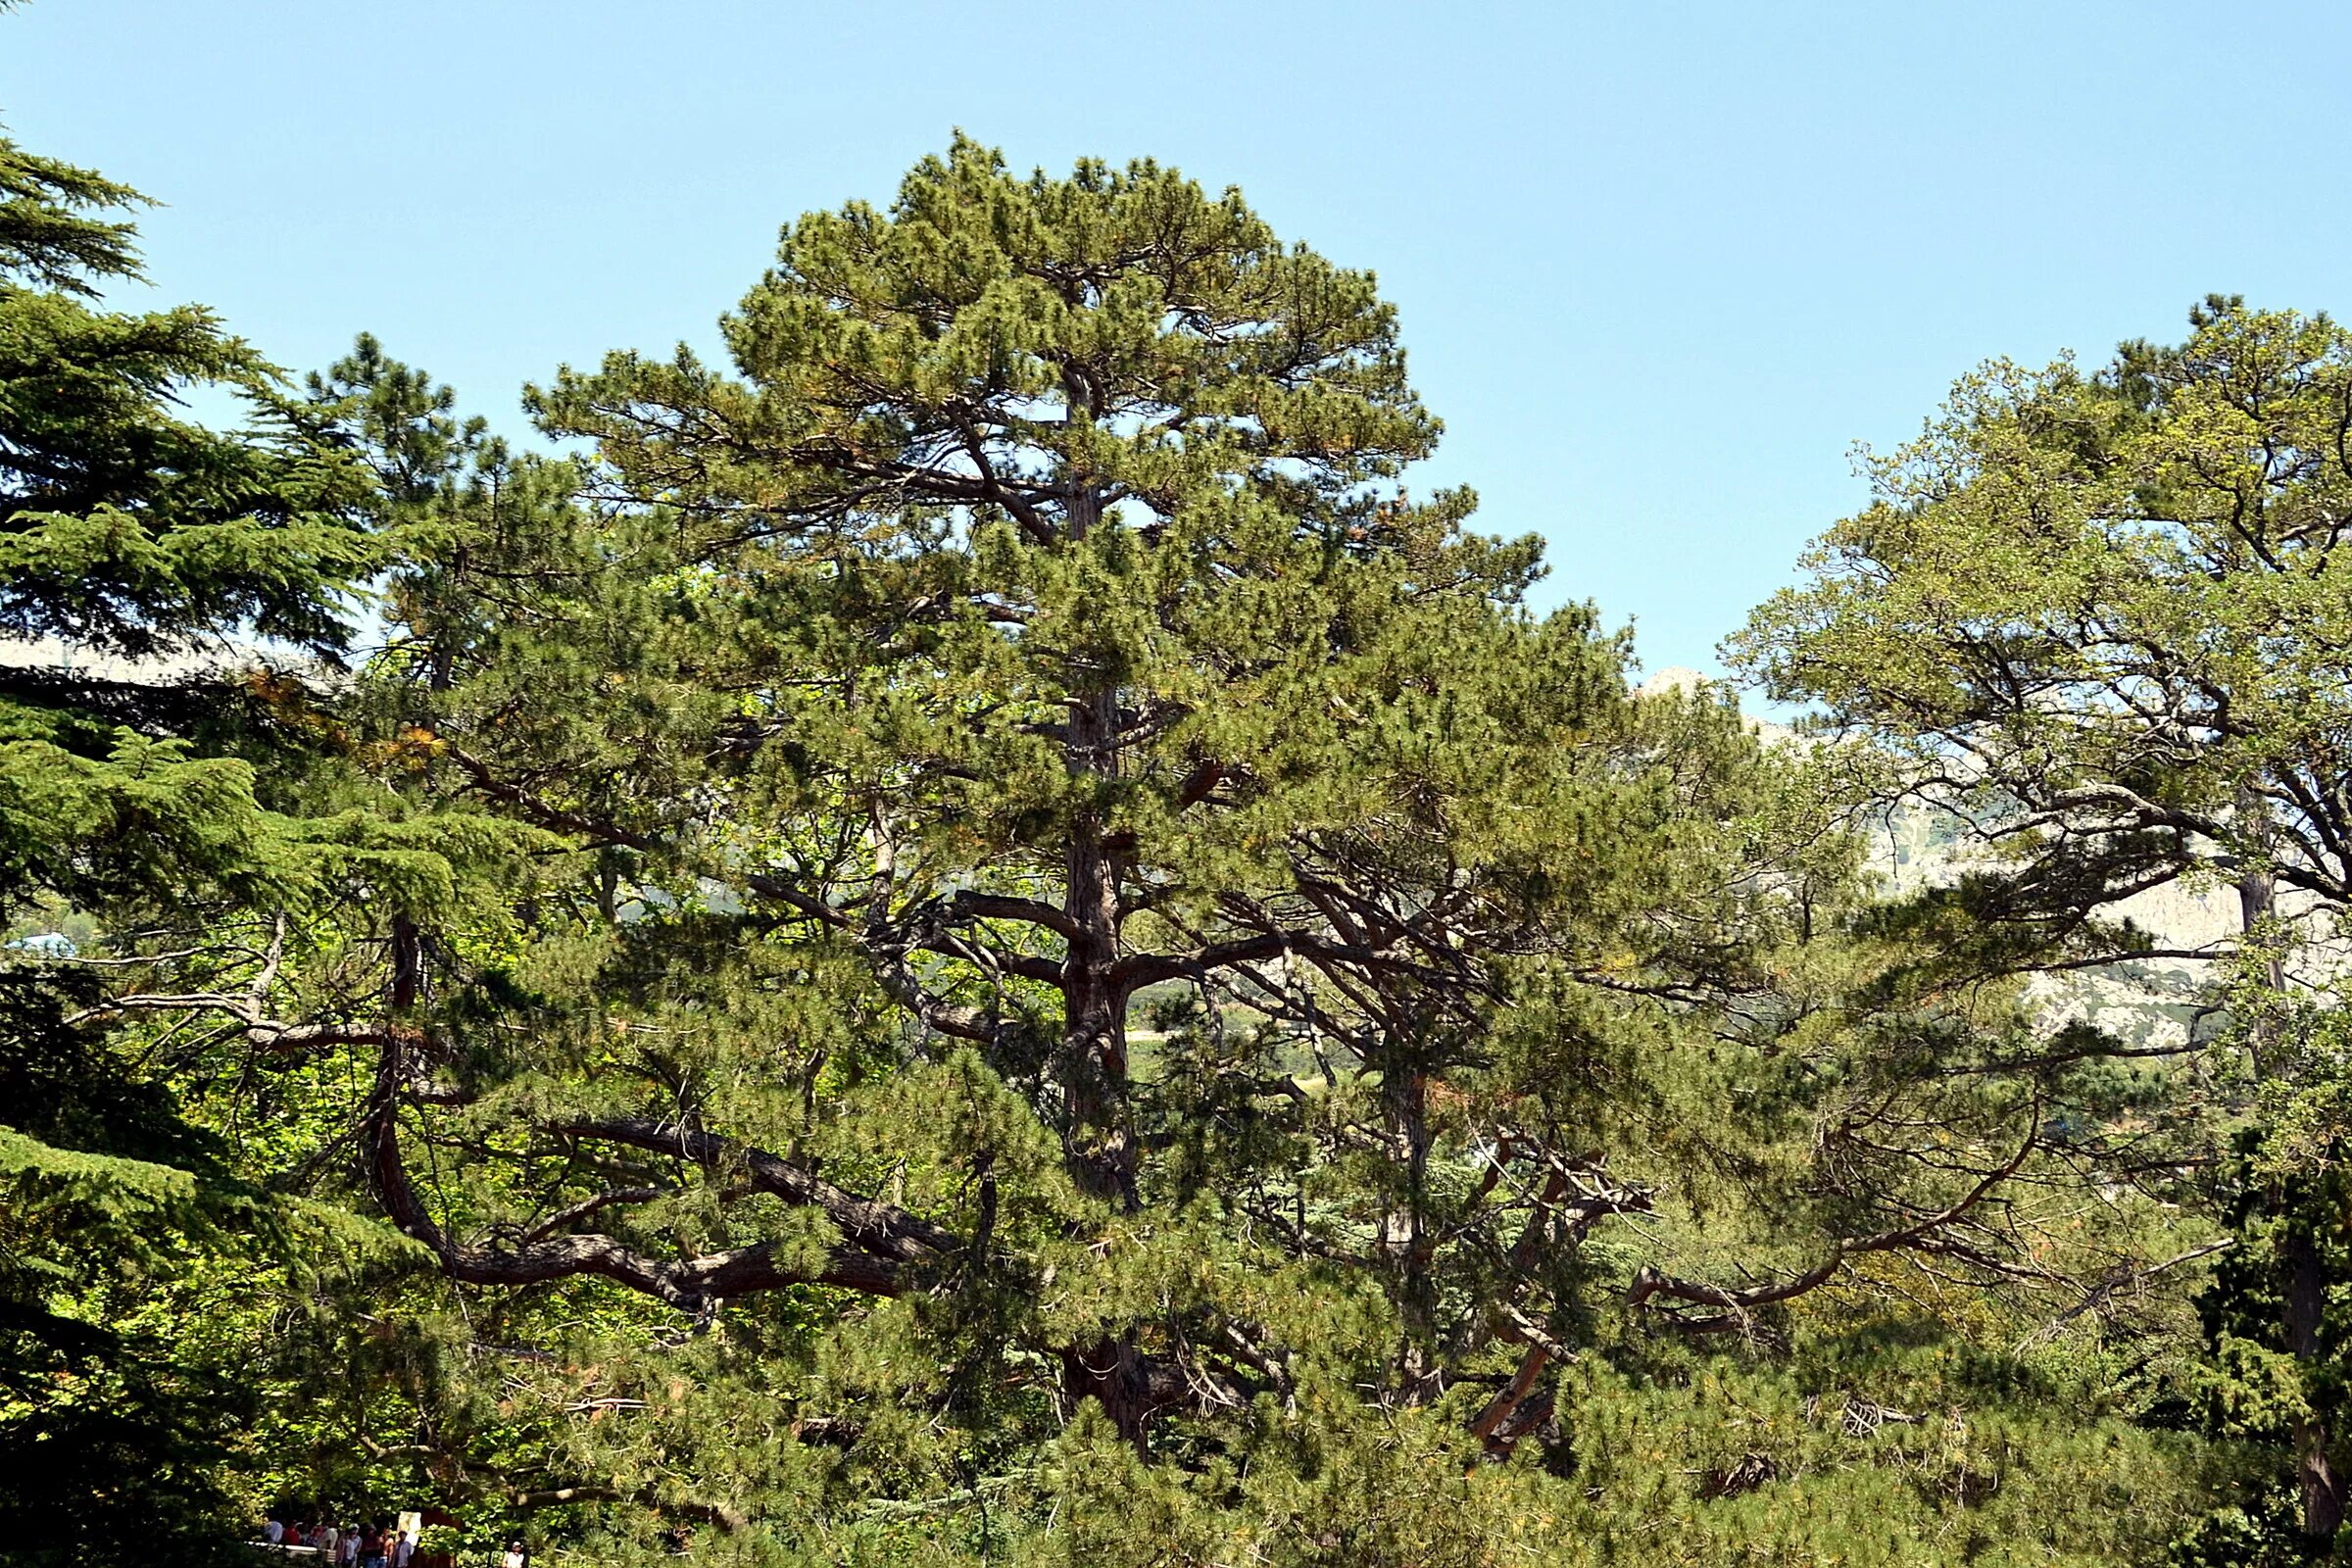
(1095, 979)
(975, 935)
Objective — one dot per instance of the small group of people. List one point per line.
(380, 1546)
(345, 1546)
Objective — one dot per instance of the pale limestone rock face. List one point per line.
(2147, 1004)
(53, 653)
(209, 659)
(1679, 678)
(1672, 678)
(2150, 1002)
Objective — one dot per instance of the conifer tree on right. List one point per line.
(2099, 616)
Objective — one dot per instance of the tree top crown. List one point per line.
(1043, 348)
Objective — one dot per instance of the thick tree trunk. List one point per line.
(2257, 899)
(2304, 1287)
(1093, 1009)
(1094, 1046)
(2321, 1488)
(408, 967)
(1406, 1233)
(1113, 1373)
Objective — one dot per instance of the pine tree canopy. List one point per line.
(2108, 597)
(975, 934)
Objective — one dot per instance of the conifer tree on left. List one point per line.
(137, 545)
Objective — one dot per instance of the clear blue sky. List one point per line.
(1659, 264)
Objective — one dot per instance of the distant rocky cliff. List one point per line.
(2147, 1004)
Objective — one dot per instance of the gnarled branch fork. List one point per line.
(879, 1248)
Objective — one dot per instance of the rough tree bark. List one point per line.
(2304, 1285)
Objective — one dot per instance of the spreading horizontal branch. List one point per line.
(1736, 1304)
(690, 1284)
(879, 1227)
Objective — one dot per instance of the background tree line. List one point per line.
(977, 935)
